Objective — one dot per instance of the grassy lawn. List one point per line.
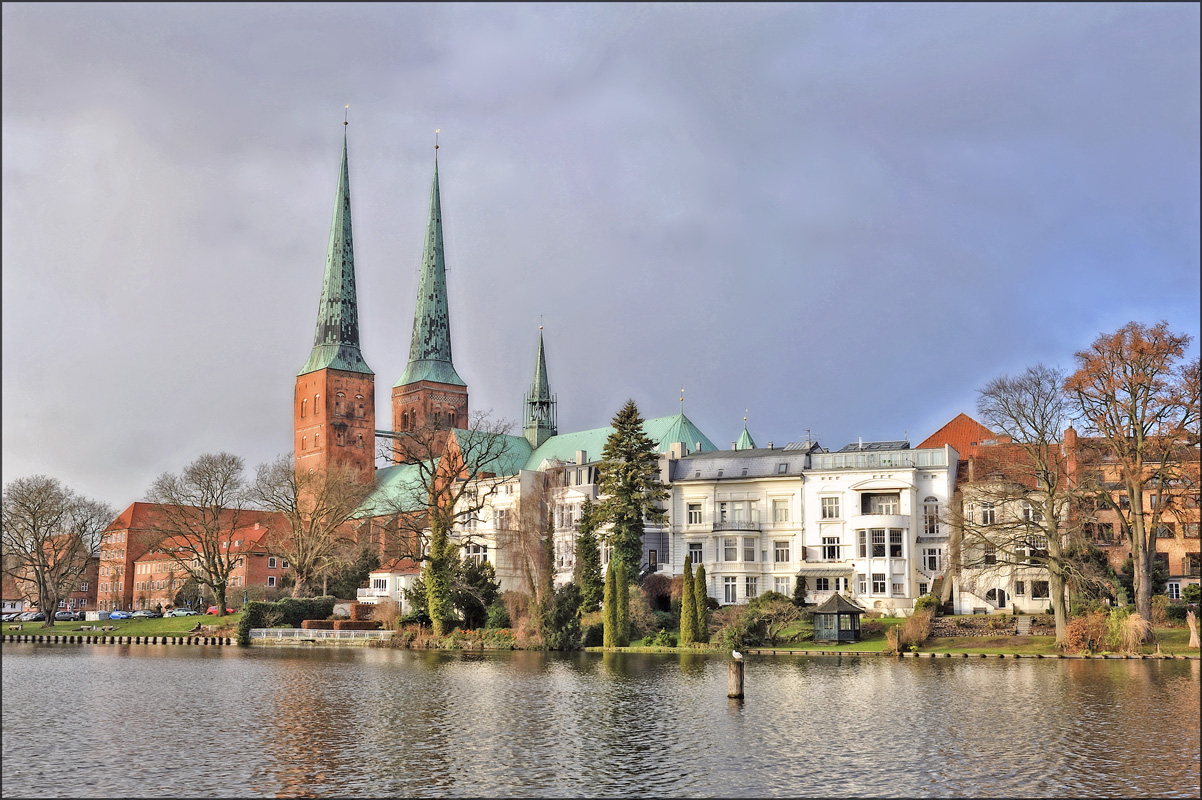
(163, 626)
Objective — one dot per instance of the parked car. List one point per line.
(120, 615)
(10, 616)
(146, 613)
(182, 612)
(66, 616)
(32, 616)
(213, 610)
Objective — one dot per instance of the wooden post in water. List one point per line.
(735, 682)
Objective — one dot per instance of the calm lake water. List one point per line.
(169, 721)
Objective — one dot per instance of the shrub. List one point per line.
(1085, 634)
(1160, 605)
(418, 616)
(1191, 593)
(594, 635)
(355, 624)
(361, 611)
(916, 629)
(869, 627)
(664, 639)
(387, 613)
(1176, 612)
(641, 619)
(498, 615)
(926, 601)
(657, 589)
(318, 624)
(664, 619)
(892, 645)
(1126, 632)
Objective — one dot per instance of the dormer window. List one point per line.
(781, 469)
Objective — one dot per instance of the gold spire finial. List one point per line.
(346, 111)
(682, 398)
(436, 130)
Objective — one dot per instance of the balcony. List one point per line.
(372, 594)
(736, 525)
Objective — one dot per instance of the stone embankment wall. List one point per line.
(989, 625)
(73, 639)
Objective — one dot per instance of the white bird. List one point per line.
(737, 655)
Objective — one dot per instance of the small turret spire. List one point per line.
(336, 342)
(745, 441)
(540, 423)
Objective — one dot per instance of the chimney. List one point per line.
(734, 445)
(1005, 439)
(581, 457)
(861, 444)
(769, 445)
(971, 461)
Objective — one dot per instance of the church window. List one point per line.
(304, 442)
(304, 408)
(404, 420)
(451, 419)
(316, 441)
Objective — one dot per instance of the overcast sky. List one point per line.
(844, 219)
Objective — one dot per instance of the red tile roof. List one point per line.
(963, 433)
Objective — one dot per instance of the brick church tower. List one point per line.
(334, 409)
(430, 395)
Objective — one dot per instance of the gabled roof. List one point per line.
(662, 430)
(963, 433)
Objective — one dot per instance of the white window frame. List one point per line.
(694, 513)
(751, 585)
(780, 552)
(696, 549)
(730, 549)
(730, 590)
(830, 507)
(780, 510)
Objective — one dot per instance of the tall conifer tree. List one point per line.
(587, 573)
(700, 596)
(688, 606)
(629, 483)
(622, 604)
(611, 608)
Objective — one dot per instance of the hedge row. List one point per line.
(355, 625)
(290, 611)
(318, 624)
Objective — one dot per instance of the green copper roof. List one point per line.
(662, 430)
(745, 441)
(398, 489)
(336, 343)
(430, 348)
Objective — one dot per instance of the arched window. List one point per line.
(930, 516)
(304, 442)
(451, 419)
(404, 420)
(304, 408)
(316, 441)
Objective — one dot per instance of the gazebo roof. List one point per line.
(838, 604)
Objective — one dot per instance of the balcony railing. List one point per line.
(373, 592)
(736, 525)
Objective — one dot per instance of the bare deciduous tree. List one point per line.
(1132, 391)
(1032, 410)
(199, 511)
(317, 508)
(446, 480)
(49, 534)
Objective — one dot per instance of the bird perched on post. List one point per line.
(736, 655)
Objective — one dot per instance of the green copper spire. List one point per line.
(540, 405)
(336, 343)
(745, 441)
(430, 349)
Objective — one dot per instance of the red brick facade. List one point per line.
(334, 414)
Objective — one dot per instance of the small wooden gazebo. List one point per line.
(837, 620)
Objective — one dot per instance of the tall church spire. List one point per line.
(430, 348)
(334, 407)
(430, 394)
(540, 422)
(336, 342)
